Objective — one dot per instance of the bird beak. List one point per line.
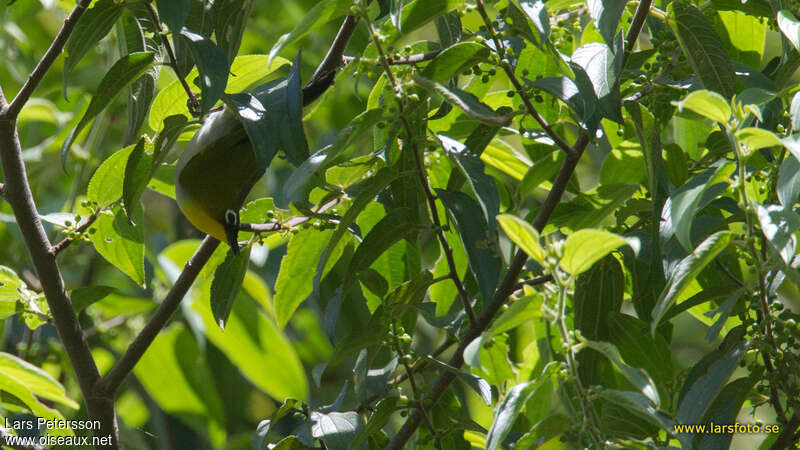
(232, 233)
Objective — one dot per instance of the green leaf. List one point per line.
(119, 76)
(689, 198)
(725, 410)
(104, 186)
(567, 91)
(137, 174)
(212, 66)
(637, 377)
(536, 14)
(789, 181)
(598, 293)
(230, 20)
(507, 411)
(383, 412)
(478, 240)
(635, 406)
(84, 296)
(482, 184)
(226, 285)
(703, 48)
(131, 37)
(320, 14)
(521, 311)
(249, 70)
(371, 188)
(779, 225)
(708, 104)
(173, 12)
(94, 24)
(524, 235)
(706, 380)
(293, 138)
(638, 348)
(476, 383)
(177, 377)
(466, 101)
(790, 27)
(300, 263)
(449, 29)
(757, 138)
(395, 226)
(11, 384)
(39, 382)
(454, 60)
(337, 430)
(120, 243)
(602, 66)
(606, 15)
(585, 247)
(686, 272)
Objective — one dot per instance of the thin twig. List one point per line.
(637, 23)
(67, 241)
(173, 62)
(534, 282)
(417, 397)
(423, 180)
(2, 190)
(787, 437)
(506, 65)
(172, 301)
(13, 109)
(403, 60)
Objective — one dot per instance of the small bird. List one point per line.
(214, 174)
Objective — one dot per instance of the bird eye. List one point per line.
(231, 217)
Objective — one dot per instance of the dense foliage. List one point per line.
(496, 224)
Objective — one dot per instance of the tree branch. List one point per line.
(67, 241)
(410, 59)
(19, 196)
(507, 286)
(139, 346)
(13, 109)
(787, 436)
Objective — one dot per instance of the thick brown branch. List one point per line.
(788, 437)
(125, 365)
(44, 64)
(19, 196)
(636, 27)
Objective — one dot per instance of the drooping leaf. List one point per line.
(230, 20)
(226, 285)
(479, 241)
(778, 225)
(483, 185)
(336, 429)
(212, 66)
(173, 12)
(119, 76)
(320, 14)
(606, 15)
(708, 104)
(789, 181)
(138, 168)
(637, 377)
(104, 186)
(703, 48)
(687, 270)
(476, 383)
(466, 101)
(453, 60)
(94, 24)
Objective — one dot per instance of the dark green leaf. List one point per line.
(138, 169)
(468, 103)
(259, 125)
(703, 48)
(95, 23)
(173, 12)
(789, 181)
(226, 285)
(637, 377)
(778, 225)
(396, 225)
(337, 430)
(476, 383)
(230, 20)
(507, 411)
(725, 410)
(119, 76)
(483, 184)
(104, 186)
(478, 240)
(454, 60)
(598, 293)
(82, 297)
(536, 14)
(448, 27)
(293, 138)
(567, 91)
(212, 66)
(606, 14)
(131, 37)
(687, 271)
(602, 65)
(383, 412)
(639, 349)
